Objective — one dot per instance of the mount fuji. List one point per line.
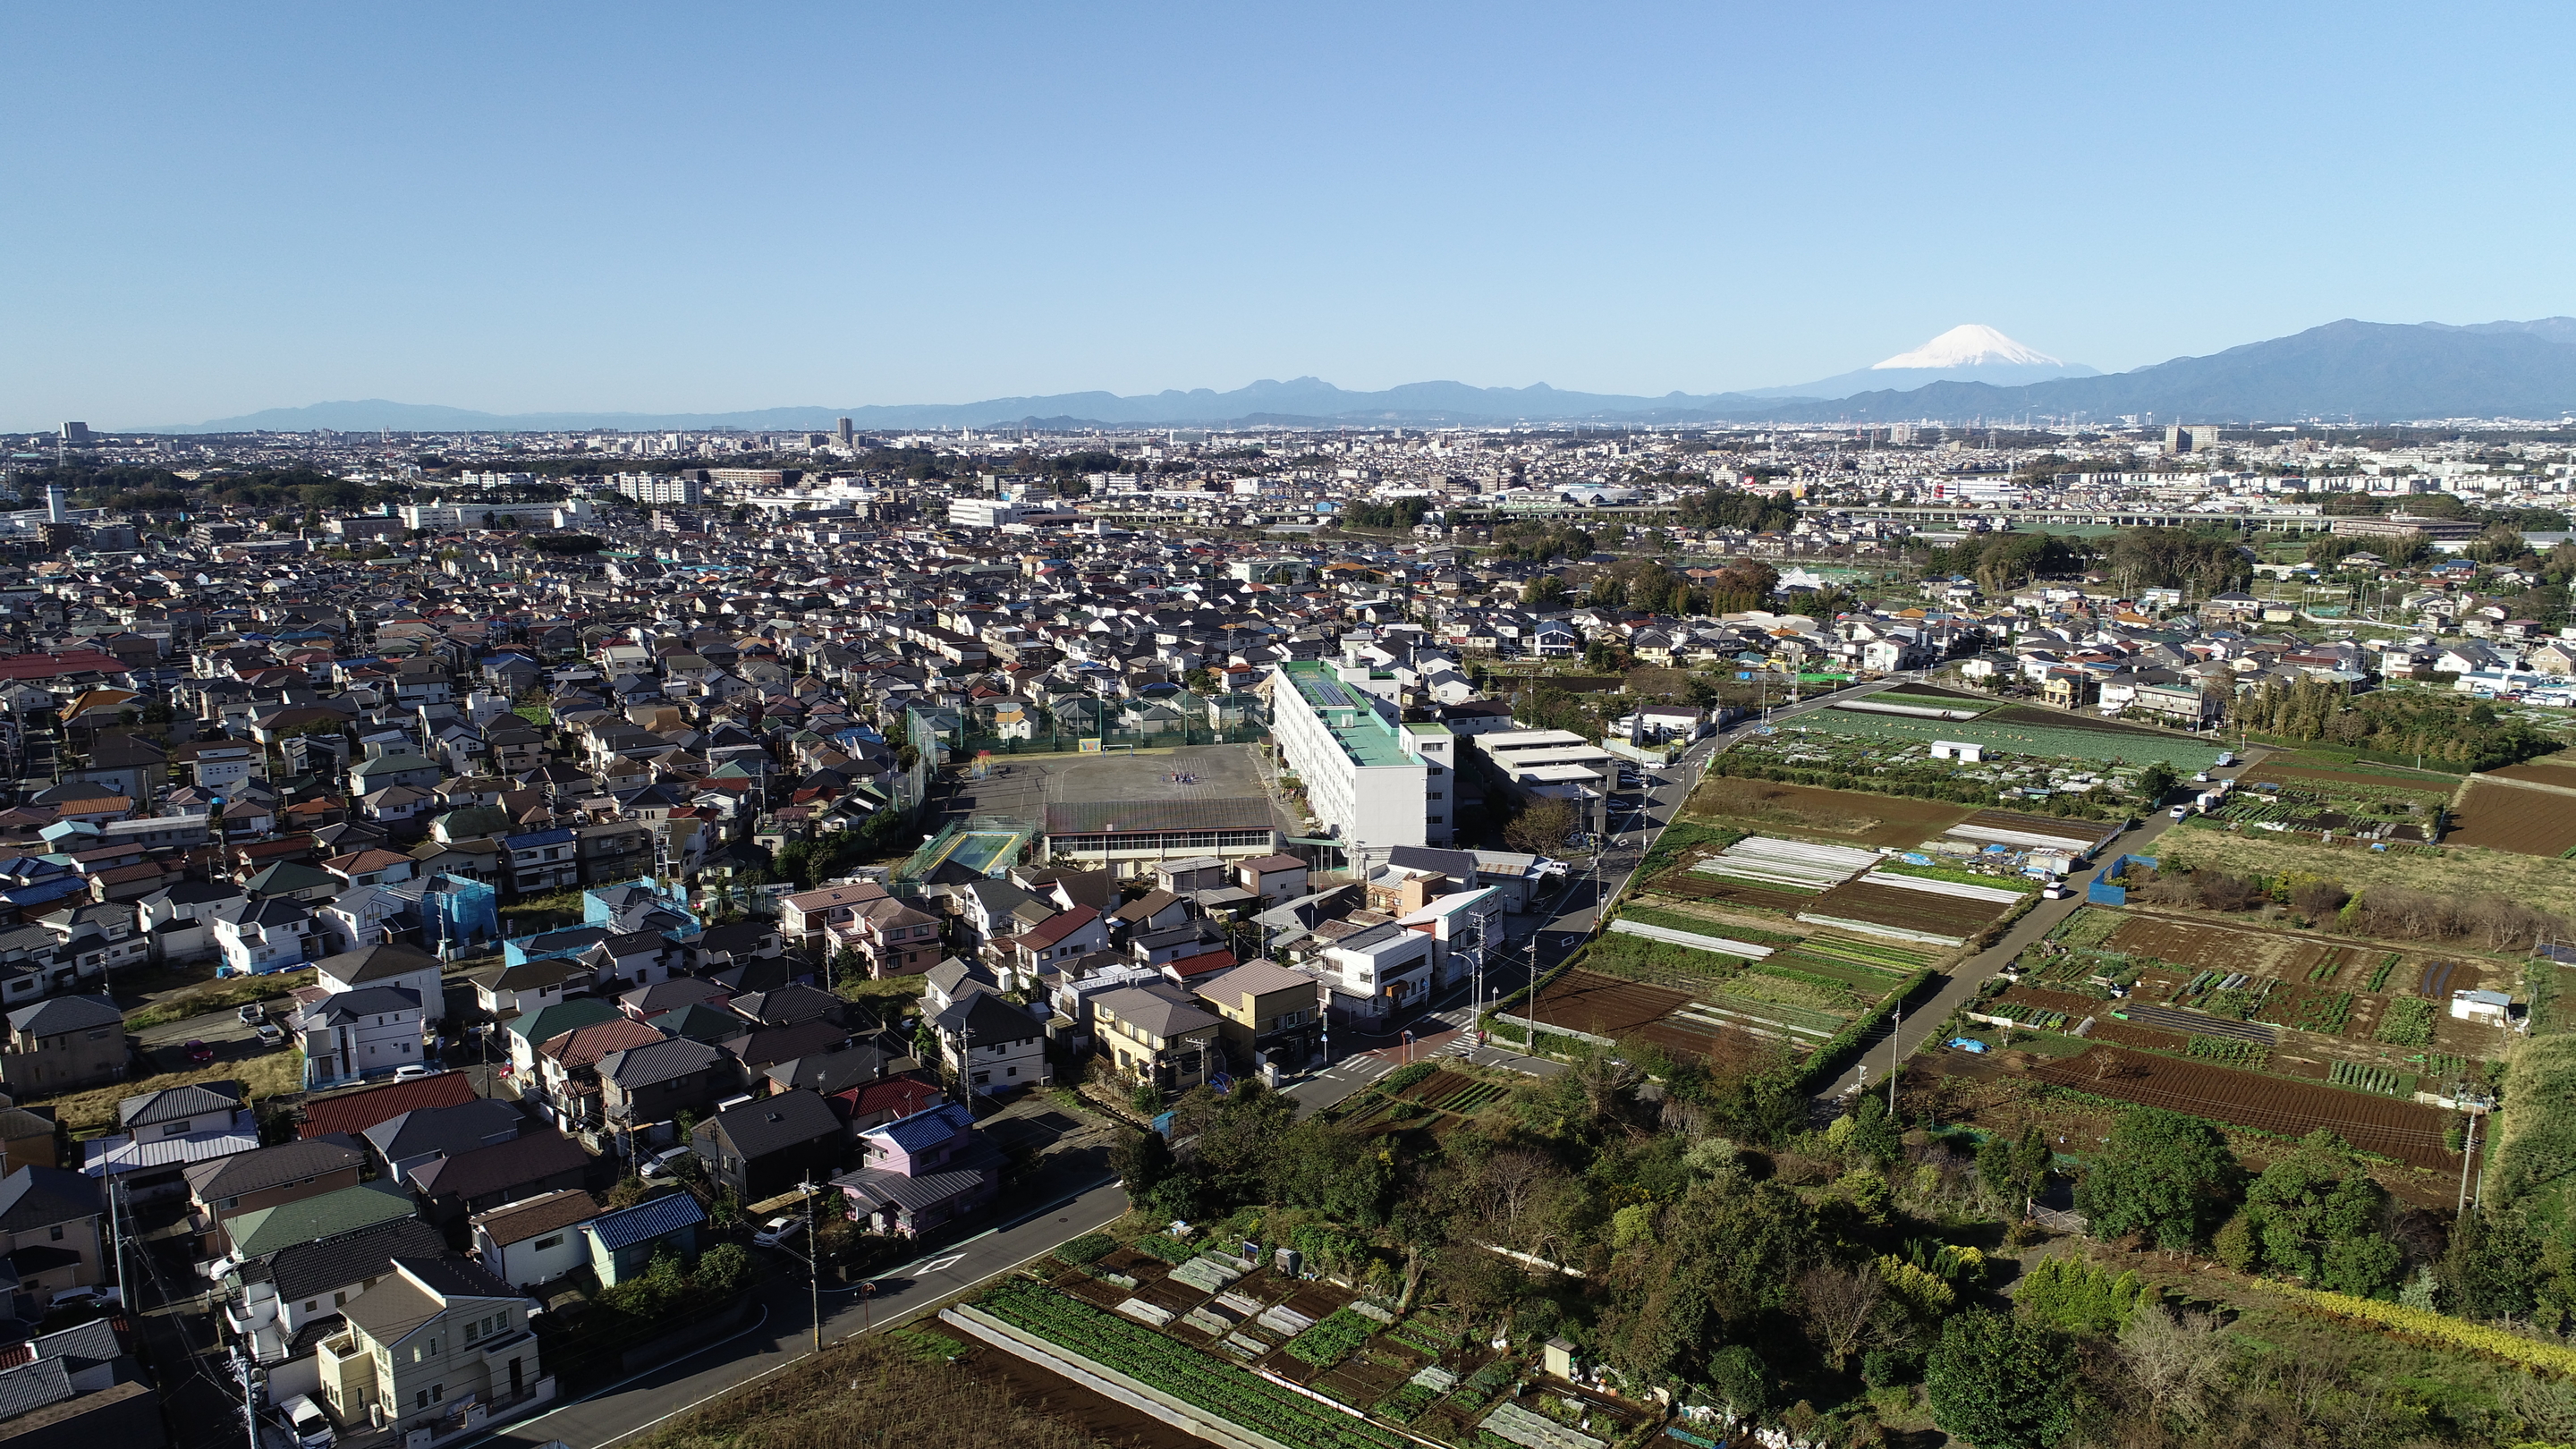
(1970, 352)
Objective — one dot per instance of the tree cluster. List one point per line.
(2396, 724)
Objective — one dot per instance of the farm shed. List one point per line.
(1963, 751)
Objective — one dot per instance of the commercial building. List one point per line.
(985, 512)
(1369, 779)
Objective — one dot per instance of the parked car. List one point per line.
(776, 1231)
(312, 1427)
(412, 1074)
(250, 1014)
(198, 1052)
(664, 1166)
(102, 1295)
(271, 1035)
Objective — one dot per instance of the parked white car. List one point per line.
(777, 1231)
(664, 1166)
(312, 1427)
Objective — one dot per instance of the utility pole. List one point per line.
(1895, 1057)
(2466, 1157)
(813, 1262)
(247, 1366)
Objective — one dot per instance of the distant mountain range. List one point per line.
(2361, 371)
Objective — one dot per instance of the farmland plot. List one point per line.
(2022, 732)
(1861, 818)
(1795, 865)
(1901, 914)
(2406, 1131)
(1721, 945)
(2499, 815)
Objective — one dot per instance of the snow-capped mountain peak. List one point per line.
(1971, 344)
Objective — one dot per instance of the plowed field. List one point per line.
(1910, 910)
(1587, 1001)
(2508, 817)
(1602, 1005)
(1690, 884)
(2556, 770)
(2407, 1131)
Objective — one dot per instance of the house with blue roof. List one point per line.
(622, 1243)
(922, 1171)
(542, 860)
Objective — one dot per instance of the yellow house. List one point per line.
(1262, 1006)
(434, 1339)
(1154, 1038)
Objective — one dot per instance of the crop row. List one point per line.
(2438, 1328)
(2326, 1015)
(2386, 1082)
(2379, 974)
(1183, 1372)
(2037, 1018)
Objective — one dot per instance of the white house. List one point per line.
(385, 964)
(996, 1046)
(361, 1033)
(1463, 926)
(1376, 973)
(358, 916)
(536, 1240)
(255, 938)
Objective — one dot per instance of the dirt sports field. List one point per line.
(1848, 816)
(2406, 1131)
(2500, 816)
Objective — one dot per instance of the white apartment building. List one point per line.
(1369, 778)
(651, 489)
(986, 512)
(1557, 764)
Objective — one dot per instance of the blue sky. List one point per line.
(216, 209)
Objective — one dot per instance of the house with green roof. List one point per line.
(262, 1231)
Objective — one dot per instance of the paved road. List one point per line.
(1924, 1015)
(784, 1334)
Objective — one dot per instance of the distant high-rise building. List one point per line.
(651, 489)
(844, 430)
(2194, 438)
(75, 432)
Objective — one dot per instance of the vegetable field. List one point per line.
(2020, 732)
(1162, 1363)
